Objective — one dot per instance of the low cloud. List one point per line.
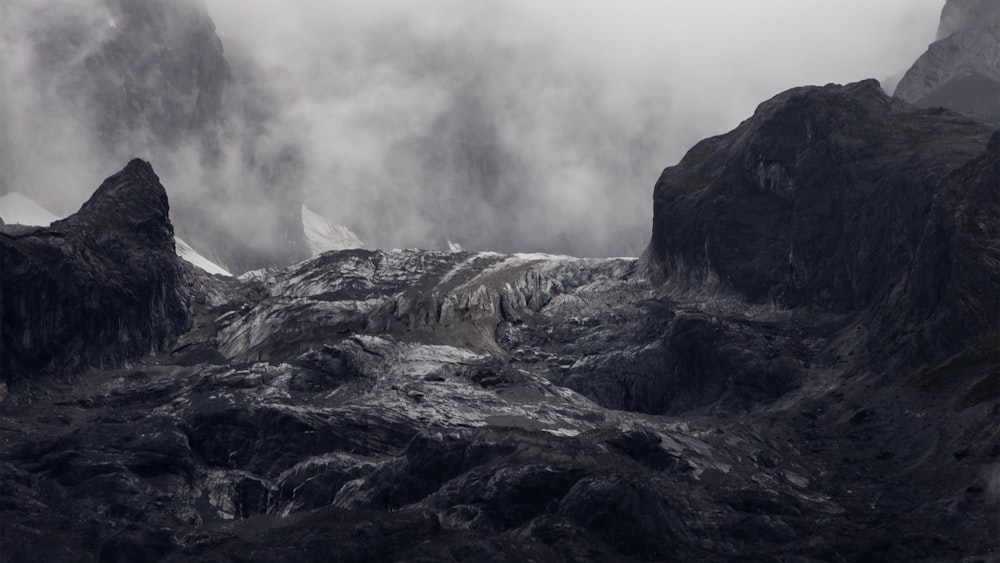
(514, 125)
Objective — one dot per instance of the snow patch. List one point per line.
(191, 255)
(323, 236)
(16, 208)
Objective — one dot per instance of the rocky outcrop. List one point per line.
(961, 69)
(820, 199)
(949, 296)
(96, 289)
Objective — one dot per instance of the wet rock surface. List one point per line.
(696, 404)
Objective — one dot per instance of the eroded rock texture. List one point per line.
(821, 198)
(803, 367)
(96, 289)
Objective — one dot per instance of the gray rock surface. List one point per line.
(960, 15)
(96, 289)
(961, 69)
(698, 404)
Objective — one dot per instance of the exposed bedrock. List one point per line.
(97, 289)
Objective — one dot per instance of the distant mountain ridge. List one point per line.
(323, 236)
(961, 70)
(803, 366)
(18, 209)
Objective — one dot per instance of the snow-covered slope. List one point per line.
(20, 209)
(185, 251)
(16, 208)
(323, 236)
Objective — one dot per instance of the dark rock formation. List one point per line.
(950, 295)
(961, 69)
(96, 289)
(820, 198)
(803, 367)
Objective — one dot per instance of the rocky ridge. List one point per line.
(740, 211)
(803, 367)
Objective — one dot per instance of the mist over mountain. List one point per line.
(498, 125)
(802, 365)
(960, 15)
(961, 70)
(98, 82)
(806, 352)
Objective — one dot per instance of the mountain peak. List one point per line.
(959, 15)
(96, 289)
(961, 69)
(133, 201)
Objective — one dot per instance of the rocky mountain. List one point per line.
(961, 69)
(321, 234)
(96, 289)
(18, 209)
(803, 366)
(739, 212)
(960, 15)
(150, 77)
(324, 236)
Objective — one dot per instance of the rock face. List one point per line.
(949, 296)
(961, 69)
(96, 289)
(159, 78)
(820, 198)
(802, 367)
(960, 15)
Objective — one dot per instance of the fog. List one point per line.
(521, 125)
(504, 125)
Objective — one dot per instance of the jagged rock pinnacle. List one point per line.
(95, 289)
